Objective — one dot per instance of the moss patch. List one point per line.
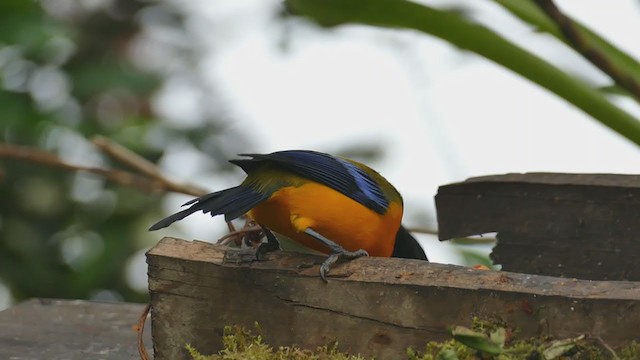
(240, 344)
(484, 341)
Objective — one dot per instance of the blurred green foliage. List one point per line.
(68, 71)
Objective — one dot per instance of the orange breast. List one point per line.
(339, 218)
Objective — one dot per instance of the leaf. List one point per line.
(447, 354)
(471, 36)
(498, 336)
(473, 258)
(614, 90)
(560, 347)
(476, 340)
(530, 13)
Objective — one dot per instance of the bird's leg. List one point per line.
(337, 252)
(272, 244)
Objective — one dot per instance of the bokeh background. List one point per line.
(189, 84)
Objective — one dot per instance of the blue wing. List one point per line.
(339, 174)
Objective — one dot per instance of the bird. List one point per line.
(331, 204)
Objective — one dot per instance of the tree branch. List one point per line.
(589, 52)
(143, 166)
(120, 177)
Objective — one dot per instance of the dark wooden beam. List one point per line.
(373, 306)
(572, 225)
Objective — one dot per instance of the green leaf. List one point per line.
(530, 13)
(467, 35)
(472, 258)
(447, 354)
(560, 347)
(498, 336)
(476, 340)
(614, 90)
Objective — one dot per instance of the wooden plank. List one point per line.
(559, 257)
(574, 225)
(70, 329)
(373, 306)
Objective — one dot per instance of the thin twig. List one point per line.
(143, 166)
(609, 348)
(147, 168)
(587, 50)
(44, 158)
(422, 230)
(142, 350)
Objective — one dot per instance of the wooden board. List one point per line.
(373, 306)
(70, 329)
(572, 225)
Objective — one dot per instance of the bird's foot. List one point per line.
(326, 265)
(337, 252)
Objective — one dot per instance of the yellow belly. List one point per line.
(339, 218)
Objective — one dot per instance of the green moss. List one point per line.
(631, 351)
(484, 341)
(240, 344)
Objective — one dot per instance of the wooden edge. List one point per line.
(543, 203)
(606, 180)
(399, 271)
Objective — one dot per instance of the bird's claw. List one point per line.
(329, 261)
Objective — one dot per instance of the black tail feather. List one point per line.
(171, 219)
(232, 202)
(407, 246)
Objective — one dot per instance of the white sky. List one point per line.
(442, 115)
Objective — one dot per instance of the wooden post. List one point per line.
(373, 306)
(572, 225)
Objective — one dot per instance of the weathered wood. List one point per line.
(572, 225)
(373, 306)
(70, 329)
